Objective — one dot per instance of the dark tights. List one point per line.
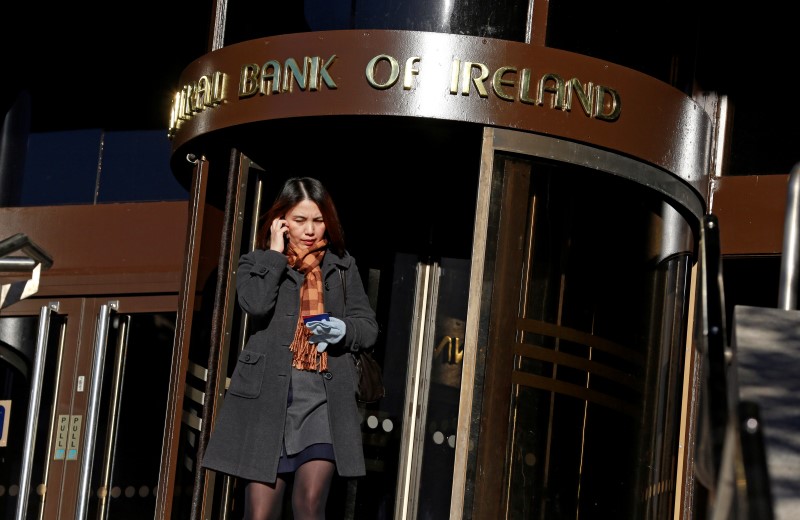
(312, 481)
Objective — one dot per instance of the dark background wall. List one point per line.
(85, 94)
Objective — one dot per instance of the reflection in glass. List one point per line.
(438, 455)
(502, 19)
(18, 339)
(133, 437)
(597, 358)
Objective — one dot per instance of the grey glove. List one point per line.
(326, 332)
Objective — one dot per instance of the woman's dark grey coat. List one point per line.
(247, 437)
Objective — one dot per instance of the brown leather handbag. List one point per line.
(370, 378)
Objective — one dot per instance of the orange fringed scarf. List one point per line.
(305, 355)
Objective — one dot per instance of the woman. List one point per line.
(290, 414)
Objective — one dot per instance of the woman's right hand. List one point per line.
(277, 235)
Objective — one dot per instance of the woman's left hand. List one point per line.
(326, 332)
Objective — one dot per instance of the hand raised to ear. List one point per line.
(278, 235)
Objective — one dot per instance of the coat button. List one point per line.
(247, 357)
(328, 376)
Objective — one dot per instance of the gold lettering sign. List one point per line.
(311, 73)
(596, 101)
(274, 78)
(394, 72)
(204, 93)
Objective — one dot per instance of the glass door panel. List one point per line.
(441, 425)
(132, 415)
(32, 366)
(413, 328)
(409, 435)
(580, 323)
(123, 460)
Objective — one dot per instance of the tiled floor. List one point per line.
(767, 349)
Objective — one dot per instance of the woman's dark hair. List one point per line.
(294, 191)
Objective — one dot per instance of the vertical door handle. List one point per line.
(415, 412)
(113, 416)
(93, 410)
(33, 407)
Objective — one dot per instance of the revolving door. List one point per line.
(575, 337)
(538, 375)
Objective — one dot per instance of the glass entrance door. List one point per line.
(409, 436)
(421, 303)
(99, 420)
(560, 315)
(575, 335)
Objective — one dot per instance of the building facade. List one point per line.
(526, 187)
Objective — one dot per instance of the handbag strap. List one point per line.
(356, 358)
(344, 286)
